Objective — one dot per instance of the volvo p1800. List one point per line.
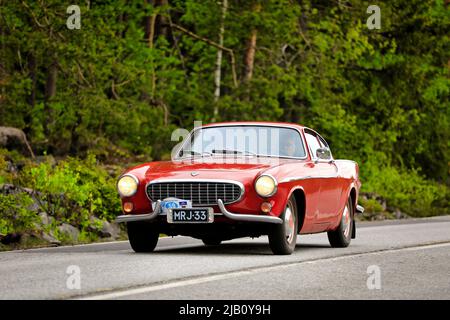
(243, 179)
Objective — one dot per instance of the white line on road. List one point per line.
(363, 224)
(95, 244)
(239, 273)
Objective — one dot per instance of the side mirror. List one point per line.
(323, 154)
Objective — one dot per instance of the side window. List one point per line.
(325, 144)
(313, 143)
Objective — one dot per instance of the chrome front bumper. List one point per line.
(359, 209)
(246, 217)
(140, 217)
(223, 210)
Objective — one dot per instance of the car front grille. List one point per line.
(199, 192)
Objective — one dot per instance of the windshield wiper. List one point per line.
(227, 151)
(195, 153)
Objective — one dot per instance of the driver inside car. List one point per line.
(288, 147)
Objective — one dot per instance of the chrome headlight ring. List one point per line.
(130, 189)
(268, 179)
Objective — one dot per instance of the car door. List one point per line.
(335, 187)
(327, 174)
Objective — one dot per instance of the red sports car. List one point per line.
(243, 179)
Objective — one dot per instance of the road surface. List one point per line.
(407, 259)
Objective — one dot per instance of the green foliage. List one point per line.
(379, 97)
(409, 191)
(3, 167)
(15, 217)
(371, 206)
(74, 190)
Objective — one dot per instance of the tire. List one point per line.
(143, 237)
(342, 236)
(283, 237)
(211, 241)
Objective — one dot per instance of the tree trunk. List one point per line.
(214, 44)
(249, 60)
(250, 56)
(162, 23)
(50, 86)
(50, 92)
(149, 27)
(152, 28)
(32, 75)
(218, 74)
(155, 24)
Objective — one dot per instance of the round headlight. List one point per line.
(266, 186)
(127, 185)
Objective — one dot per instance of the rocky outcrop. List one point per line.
(50, 238)
(48, 229)
(104, 229)
(72, 232)
(110, 230)
(8, 188)
(15, 139)
(377, 208)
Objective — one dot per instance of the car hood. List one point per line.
(211, 168)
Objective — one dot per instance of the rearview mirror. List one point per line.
(323, 154)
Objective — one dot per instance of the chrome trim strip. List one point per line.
(247, 217)
(238, 183)
(290, 179)
(359, 209)
(140, 217)
(134, 217)
(188, 138)
(131, 176)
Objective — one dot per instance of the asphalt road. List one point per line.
(408, 259)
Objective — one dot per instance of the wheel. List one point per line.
(143, 237)
(341, 237)
(211, 241)
(283, 237)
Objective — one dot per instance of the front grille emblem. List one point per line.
(194, 173)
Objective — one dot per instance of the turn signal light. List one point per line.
(266, 207)
(128, 207)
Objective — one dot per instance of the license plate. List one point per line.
(194, 215)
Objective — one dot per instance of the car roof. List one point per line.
(254, 123)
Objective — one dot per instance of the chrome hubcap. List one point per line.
(289, 224)
(346, 221)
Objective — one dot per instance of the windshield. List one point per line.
(245, 141)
